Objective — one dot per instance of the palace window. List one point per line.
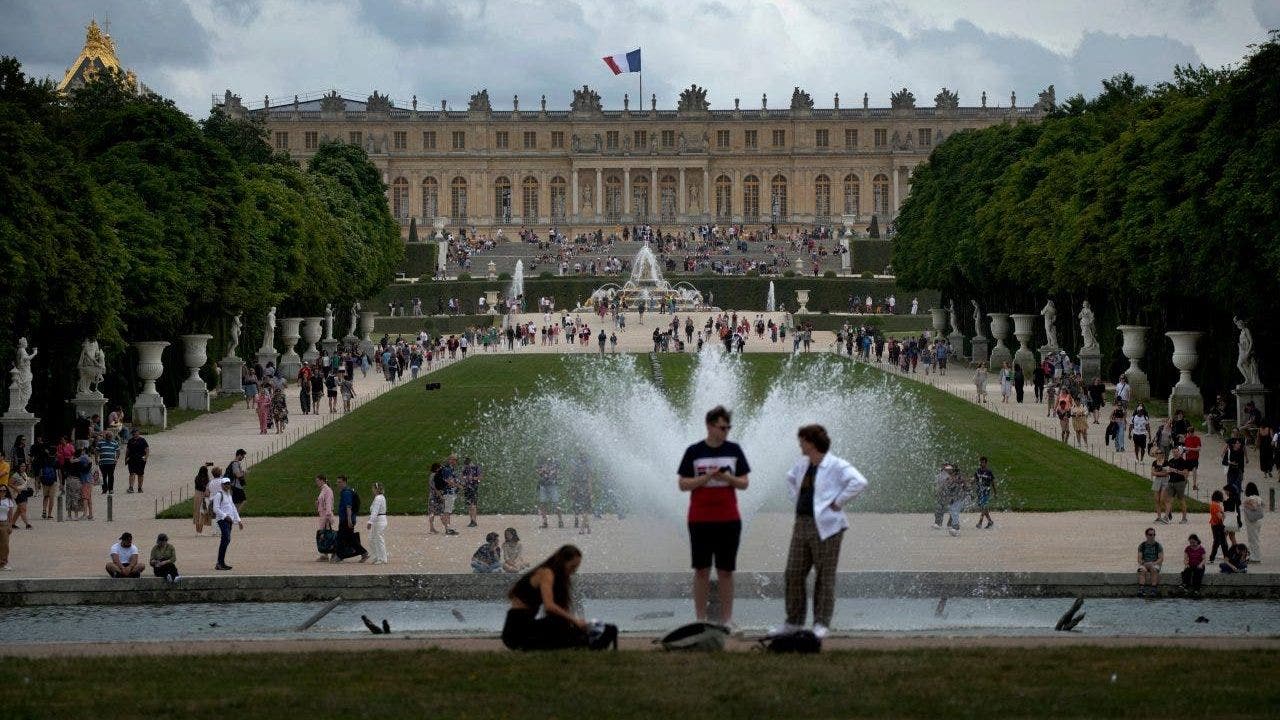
(641, 140)
(667, 196)
(530, 140)
(430, 200)
(529, 199)
(458, 200)
(557, 139)
(778, 198)
(613, 198)
(429, 140)
(668, 138)
(640, 198)
(722, 138)
(282, 140)
(355, 137)
(822, 197)
(501, 139)
(611, 140)
(724, 198)
(850, 138)
(820, 138)
(749, 140)
(459, 139)
(399, 140)
(880, 195)
(882, 137)
(400, 198)
(852, 191)
(502, 201)
(311, 139)
(751, 198)
(559, 193)
(779, 138)
(924, 137)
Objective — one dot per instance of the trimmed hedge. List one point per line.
(435, 325)
(871, 255)
(730, 293)
(420, 259)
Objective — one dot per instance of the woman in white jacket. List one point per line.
(377, 525)
(821, 484)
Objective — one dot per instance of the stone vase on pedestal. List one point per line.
(148, 407)
(290, 362)
(366, 331)
(195, 394)
(311, 332)
(999, 330)
(939, 318)
(491, 301)
(1023, 328)
(979, 343)
(329, 345)
(802, 299)
(799, 266)
(1133, 347)
(1185, 395)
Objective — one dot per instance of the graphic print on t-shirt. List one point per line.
(704, 465)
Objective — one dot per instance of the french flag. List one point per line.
(626, 63)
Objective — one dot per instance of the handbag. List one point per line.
(326, 540)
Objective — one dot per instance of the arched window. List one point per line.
(640, 198)
(400, 198)
(502, 200)
(852, 191)
(822, 197)
(430, 200)
(667, 198)
(778, 198)
(880, 195)
(559, 195)
(529, 199)
(458, 200)
(613, 198)
(724, 198)
(751, 199)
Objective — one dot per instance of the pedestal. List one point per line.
(86, 404)
(802, 299)
(311, 332)
(148, 406)
(290, 362)
(979, 344)
(1133, 347)
(1090, 364)
(267, 356)
(1185, 395)
(330, 346)
(1047, 351)
(15, 423)
(999, 330)
(1023, 329)
(957, 344)
(232, 370)
(1257, 394)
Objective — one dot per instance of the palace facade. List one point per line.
(588, 167)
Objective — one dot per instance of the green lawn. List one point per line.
(966, 683)
(395, 438)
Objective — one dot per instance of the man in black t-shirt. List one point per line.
(1179, 468)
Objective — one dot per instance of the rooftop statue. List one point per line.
(800, 100)
(946, 100)
(479, 102)
(378, 103)
(586, 100)
(332, 102)
(693, 99)
(902, 100)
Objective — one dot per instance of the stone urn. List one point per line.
(999, 330)
(939, 317)
(493, 270)
(148, 406)
(1133, 347)
(366, 331)
(799, 265)
(311, 332)
(1185, 395)
(194, 394)
(290, 363)
(802, 299)
(491, 301)
(1024, 327)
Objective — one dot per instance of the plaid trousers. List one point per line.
(808, 551)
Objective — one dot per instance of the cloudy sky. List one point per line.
(189, 50)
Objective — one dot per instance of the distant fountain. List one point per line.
(647, 286)
(517, 281)
(770, 304)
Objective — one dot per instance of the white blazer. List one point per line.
(835, 482)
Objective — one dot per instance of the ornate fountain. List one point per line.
(647, 286)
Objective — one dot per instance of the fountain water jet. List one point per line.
(647, 286)
(770, 303)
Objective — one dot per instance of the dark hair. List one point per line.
(1193, 536)
(322, 478)
(558, 564)
(718, 413)
(1251, 489)
(202, 473)
(511, 535)
(1217, 495)
(982, 459)
(815, 435)
(342, 478)
(241, 452)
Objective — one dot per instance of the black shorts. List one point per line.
(137, 468)
(1140, 442)
(1193, 464)
(469, 495)
(718, 540)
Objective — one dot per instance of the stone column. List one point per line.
(735, 196)
(311, 332)
(574, 185)
(366, 329)
(598, 204)
(1185, 395)
(1024, 329)
(999, 330)
(706, 192)
(1135, 344)
(680, 197)
(626, 194)
(893, 194)
(195, 394)
(148, 406)
(290, 363)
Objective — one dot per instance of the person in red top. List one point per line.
(1192, 443)
(712, 471)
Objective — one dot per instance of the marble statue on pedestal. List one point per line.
(1050, 314)
(1088, 333)
(355, 312)
(236, 325)
(1246, 361)
(20, 388)
(955, 320)
(977, 317)
(269, 332)
(92, 365)
(328, 321)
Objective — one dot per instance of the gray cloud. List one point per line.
(1268, 13)
(147, 32)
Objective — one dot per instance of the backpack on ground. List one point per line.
(802, 642)
(707, 637)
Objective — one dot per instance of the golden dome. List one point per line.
(99, 54)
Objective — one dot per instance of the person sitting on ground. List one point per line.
(125, 562)
(1150, 558)
(488, 557)
(1193, 572)
(512, 559)
(1235, 559)
(163, 557)
(545, 587)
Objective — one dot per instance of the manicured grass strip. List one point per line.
(968, 683)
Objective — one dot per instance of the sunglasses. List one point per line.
(725, 427)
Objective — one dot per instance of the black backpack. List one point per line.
(803, 642)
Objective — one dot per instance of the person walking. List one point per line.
(262, 403)
(984, 486)
(1139, 428)
(712, 471)
(348, 512)
(200, 498)
(236, 471)
(1006, 382)
(224, 514)
(136, 453)
(821, 484)
(108, 450)
(980, 383)
(8, 512)
(1037, 382)
(1251, 510)
(324, 516)
(377, 525)
(1019, 382)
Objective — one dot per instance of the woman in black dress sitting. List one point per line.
(547, 587)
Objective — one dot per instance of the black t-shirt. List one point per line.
(804, 501)
(984, 479)
(717, 500)
(137, 450)
(1178, 469)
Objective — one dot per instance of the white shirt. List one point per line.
(223, 508)
(378, 509)
(836, 482)
(126, 554)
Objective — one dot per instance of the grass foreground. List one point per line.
(972, 682)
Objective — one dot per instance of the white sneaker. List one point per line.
(954, 532)
(175, 579)
(936, 526)
(784, 629)
(820, 631)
